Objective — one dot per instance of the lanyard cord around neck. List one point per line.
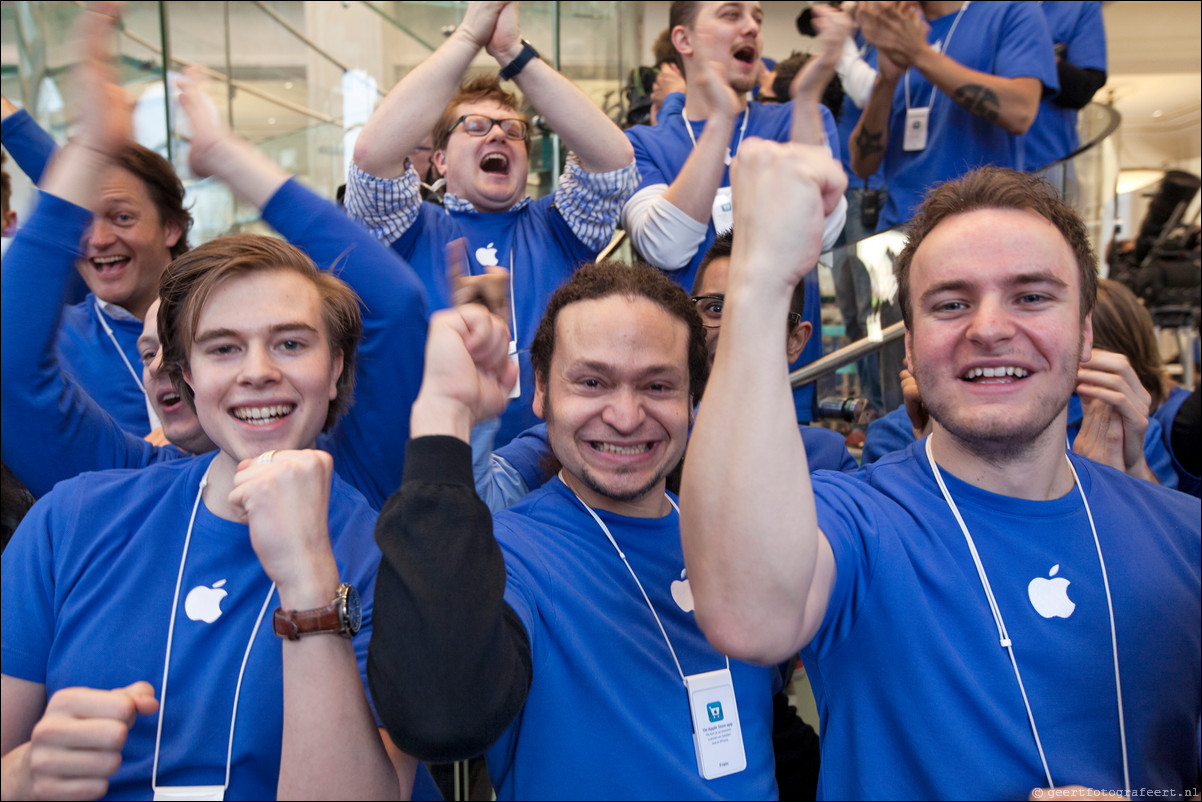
(1004, 636)
(113, 337)
(947, 43)
(158, 736)
(622, 555)
(730, 154)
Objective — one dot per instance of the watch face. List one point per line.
(354, 610)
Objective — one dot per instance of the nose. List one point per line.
(990, 323)
(495, 133)
(100, 234)
(258, 367)
(624, 413)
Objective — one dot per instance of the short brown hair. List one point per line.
(664, 52)
(473, 90)
(190, 280)
(997, 188)
(163, 186)
(1122, 324)
(611, 277)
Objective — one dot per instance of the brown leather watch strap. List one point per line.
(295, 623)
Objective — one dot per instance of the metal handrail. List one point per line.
(827, 365)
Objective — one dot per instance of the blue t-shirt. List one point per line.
(1009, 40)
(917, 698)
(1078, 26)
(88, 583)
(534, 239)
(893, 432)
(1165, 416)
(661, 152)
(607, 713)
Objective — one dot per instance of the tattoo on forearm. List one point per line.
(868, 143)
(979, 100)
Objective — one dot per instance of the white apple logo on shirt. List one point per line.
(1049, 597)
(682, 594)
(204, 603)
(487, 256)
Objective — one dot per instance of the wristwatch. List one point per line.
(342, 617)
(511, 70)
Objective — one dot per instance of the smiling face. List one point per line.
(997, 333)
(729, 34)
(180, 424)
(488, 171)
(616, 401)
(127, 246)
(260, 366)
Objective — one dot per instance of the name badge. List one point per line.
(178, 793)
(513, 357)
(916, 129)
(717, 735)
(723, 213)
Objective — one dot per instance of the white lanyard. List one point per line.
(1004, 636)
(622, 554)
(109, 331)
(742, 132)
(947, 43)
(166, 790)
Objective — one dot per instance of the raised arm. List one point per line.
(759, 567)
(442, 577)
(834, 31)
(597, 142)
(900, 32)
(409, 112)
(870, 138)
(368, 442)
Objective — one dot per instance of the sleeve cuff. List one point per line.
(439, 459)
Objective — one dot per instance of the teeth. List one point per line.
(609, 448)
(108, 260)
(494, 162)
(168, 400)
(261, 415)
(996, 373)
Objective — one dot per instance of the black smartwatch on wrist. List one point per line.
(511, 70)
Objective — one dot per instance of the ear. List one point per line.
(440, 162)
(798, 337)
(1087, 337)
(682, 40)
(171, 234)
(335, 374)
(909, 340)
(539, 401)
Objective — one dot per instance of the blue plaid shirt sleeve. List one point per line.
(387, 207)
(591, 203)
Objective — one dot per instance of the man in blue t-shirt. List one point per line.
(683, 197)
(515, 247)
(139, 225)
(963, 607)
(957, 85)
(566, 659)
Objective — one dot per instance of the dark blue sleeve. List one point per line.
(50, 428)
(29, 145)
(885, 435)
(368, 443)
(527, 453)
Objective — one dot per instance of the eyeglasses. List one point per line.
(710, 309)
(479, 125)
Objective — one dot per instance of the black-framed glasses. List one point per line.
(480, 125)
(710, 309)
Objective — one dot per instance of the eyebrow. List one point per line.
(1022, 279)
(278, 328)
(605, 367)
(143, 342)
